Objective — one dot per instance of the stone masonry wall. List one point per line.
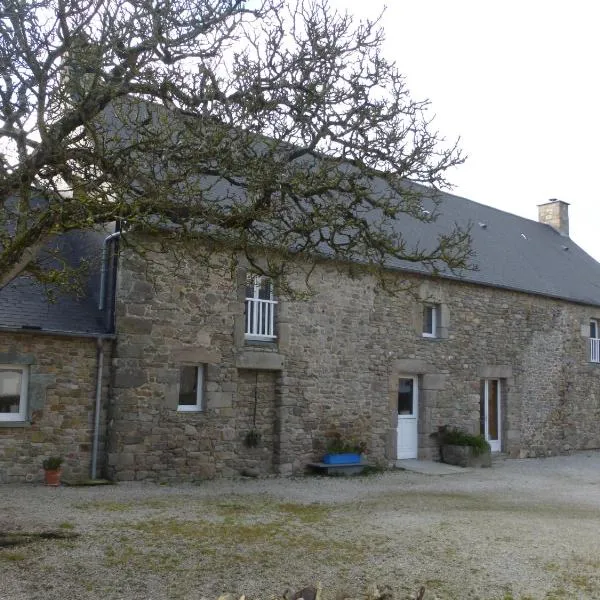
(61, 401)
(336, 365)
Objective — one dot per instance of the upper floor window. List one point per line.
(431, 320)
(594, 341)
(13, 393)
(260, 309)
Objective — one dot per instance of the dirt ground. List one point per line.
(524, 529)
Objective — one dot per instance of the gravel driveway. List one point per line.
(523, 529)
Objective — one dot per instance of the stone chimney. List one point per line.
(556, 214)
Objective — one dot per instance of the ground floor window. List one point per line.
(13, 393)
(191, 389)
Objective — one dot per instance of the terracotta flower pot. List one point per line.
(52, 477)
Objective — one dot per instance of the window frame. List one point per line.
(594, 341)
(435, 318)
(255, 280)
(200, 405)
(484, 411)
(21, 416)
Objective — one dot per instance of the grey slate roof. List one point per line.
(510, 252)
(24, 303)
(513, 252)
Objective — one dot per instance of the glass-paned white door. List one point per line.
(408, 411)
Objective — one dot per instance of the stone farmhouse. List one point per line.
(162, 371)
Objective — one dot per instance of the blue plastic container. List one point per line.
(342, 459)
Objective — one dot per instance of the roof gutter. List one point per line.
(73, 334)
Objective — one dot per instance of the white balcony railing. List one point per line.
(260, 319)
(595, 350)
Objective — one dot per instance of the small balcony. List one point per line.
(260, 319)
(595, 350)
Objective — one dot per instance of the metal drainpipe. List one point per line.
(104, 270)
(98, 407)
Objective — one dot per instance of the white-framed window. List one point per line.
(191, 389)
(431, 320)
(260, 309)
(594, 341)
(13, 393)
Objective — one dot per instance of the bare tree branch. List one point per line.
(270, 125)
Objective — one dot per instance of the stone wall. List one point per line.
(336, 365)
(60, 405)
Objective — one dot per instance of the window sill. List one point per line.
(260, 339)
(190, 410)
(20, 424)
(256, 343)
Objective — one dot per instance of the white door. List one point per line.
(408, 410)
(490, 413)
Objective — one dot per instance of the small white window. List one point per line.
(594, 329)
(430, 320)
(191, 389)
(13, 393)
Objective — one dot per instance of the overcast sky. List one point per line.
(519, 82)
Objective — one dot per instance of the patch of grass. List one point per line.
(559, 593)
(12, 556)
(463, 501)
(510, 596)
(105, 506)
(122, 555)
(232, 508)
(582, 582)
(307, 513)
(373, 470)
(66, 525)
(229, 534)
(109, 506)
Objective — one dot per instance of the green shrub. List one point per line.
(457, 437)
(52, 463)
(336, 444)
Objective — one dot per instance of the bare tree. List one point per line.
(255, 125)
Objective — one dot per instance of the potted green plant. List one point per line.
(343, 451)
(464, 449)
(52, 470)
(252, 438)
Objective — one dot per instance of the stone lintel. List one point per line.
(495, 372)
(13, 357)
(413, 366)
(260, 361)
(196, 355)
